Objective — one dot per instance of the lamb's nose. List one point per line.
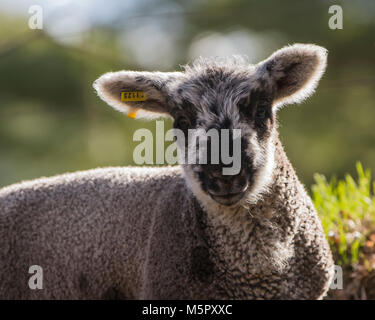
(224, 185)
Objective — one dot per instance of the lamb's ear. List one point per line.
(293, 72)
(140, 94)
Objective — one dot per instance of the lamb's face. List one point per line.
(224, 99)
(229, 96)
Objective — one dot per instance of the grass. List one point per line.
(347, 210)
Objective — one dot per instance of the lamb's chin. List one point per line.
(230, 200)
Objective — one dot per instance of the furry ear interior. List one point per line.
(293, 72)
(139, 94)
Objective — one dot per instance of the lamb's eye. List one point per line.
(182, 123)
(261, 113)
(242, 103)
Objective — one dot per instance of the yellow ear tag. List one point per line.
(133, 96)
(132, 114)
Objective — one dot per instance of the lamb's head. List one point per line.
(211, 95)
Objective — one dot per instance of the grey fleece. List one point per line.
(140, 233)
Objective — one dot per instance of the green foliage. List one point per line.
(347, 210)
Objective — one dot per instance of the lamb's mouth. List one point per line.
(228, 199)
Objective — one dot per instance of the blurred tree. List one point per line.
(51, 121)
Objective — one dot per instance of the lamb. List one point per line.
(179, 232)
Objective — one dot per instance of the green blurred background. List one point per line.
(51, 120)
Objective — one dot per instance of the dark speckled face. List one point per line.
(226, 100)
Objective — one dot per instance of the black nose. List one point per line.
(225, 189)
